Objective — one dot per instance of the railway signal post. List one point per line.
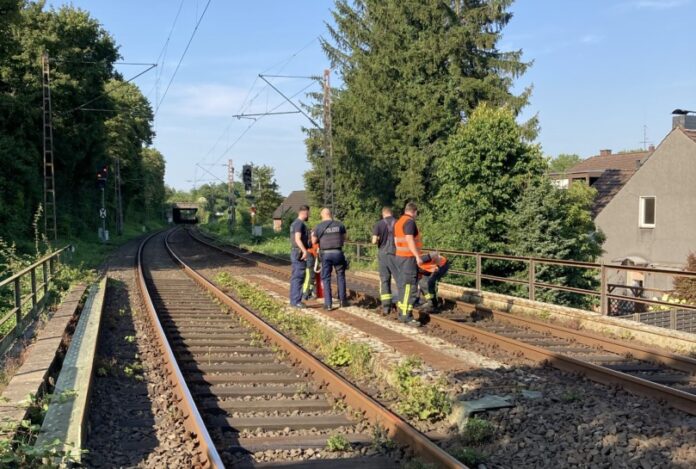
(101, 184)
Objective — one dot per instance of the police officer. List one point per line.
(383, 237)
(299, 242)
(331, 235)
(408, 244)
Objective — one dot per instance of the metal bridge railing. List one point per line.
(478, 274)
(22, 296)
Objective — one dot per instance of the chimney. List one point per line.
(604, 152)
(685, 121)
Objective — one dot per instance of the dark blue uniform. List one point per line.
(384, 230)
(330, 234)
(298, 265)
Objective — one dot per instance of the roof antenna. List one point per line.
(645, 140)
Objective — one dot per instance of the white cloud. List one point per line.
(205, 100)
(591, 39)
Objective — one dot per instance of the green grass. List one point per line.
(78, 265)
(477, 431)
(418, 398)
(337, 443)
(278, 244)
(90, 253)
(271, 243)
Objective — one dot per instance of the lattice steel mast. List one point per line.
(50, 225)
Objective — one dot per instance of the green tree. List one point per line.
(82, 57)
(153, 193)
(684, 287)
(216, 196)
(128, 134)
(486, 170)
(556, 223)
(266, 192)
(411, 70)
(563, 162)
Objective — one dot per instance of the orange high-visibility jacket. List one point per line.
(431, 266)
(314, 250)
(402, 249)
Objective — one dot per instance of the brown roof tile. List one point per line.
(292, 203)
(608, 185)
(620, 161)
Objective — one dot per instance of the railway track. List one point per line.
(252, 397)
(642, 370)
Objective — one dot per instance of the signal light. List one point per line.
(246, 177)
(102, 176)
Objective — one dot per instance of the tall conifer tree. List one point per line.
(411, 70)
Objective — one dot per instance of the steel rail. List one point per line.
(679, 399)
(639, 352)
(398, 429)
(192, 418)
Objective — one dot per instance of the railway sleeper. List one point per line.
(273, 422)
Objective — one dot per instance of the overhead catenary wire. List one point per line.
(181, 59)
(229, 147)
(163, 52)
(247, 102)
(122, 83)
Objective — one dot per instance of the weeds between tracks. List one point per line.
(417, 398)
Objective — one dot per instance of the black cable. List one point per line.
(246, 102)
(107, 92)
(181, 59)
(254, 122)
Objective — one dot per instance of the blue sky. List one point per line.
(602, 71)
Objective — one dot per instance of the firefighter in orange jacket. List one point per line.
(433, 268)
(408, 244)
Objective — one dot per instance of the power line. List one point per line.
(171, 30)
(290, 101)
(122, 83)
(255, 121)
(163, 52)
(193, 34)
(246, 102)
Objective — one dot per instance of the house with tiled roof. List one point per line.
(652, 217)
(645, 205)
(606, 172)
(290, 205)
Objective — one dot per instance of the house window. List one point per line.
(647, 212)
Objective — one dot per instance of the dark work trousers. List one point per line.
(308, 284)
(297, 276)
(333, 259)
(386, 272)
(428, 283)
(407, 283)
